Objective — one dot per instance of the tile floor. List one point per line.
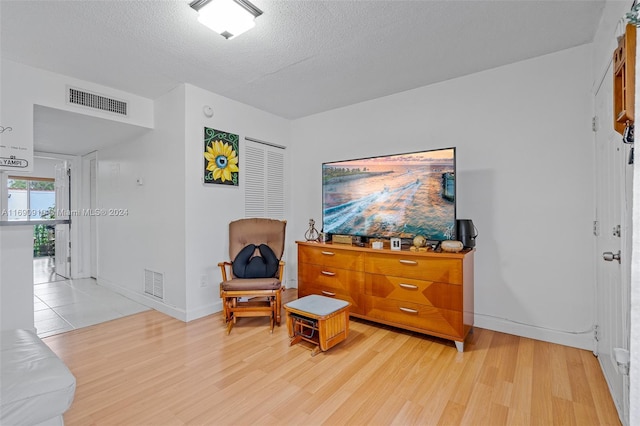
(62, 305)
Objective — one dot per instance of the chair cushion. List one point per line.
(240, 284)
(248, 265)
(317, 305)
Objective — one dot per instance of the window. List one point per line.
(264, 166)
(30, 198)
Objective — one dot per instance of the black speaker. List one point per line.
(466, 232)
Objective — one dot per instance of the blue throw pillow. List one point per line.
(245, 265)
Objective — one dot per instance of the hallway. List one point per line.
(62, 305)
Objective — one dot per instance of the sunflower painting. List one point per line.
(220, 157)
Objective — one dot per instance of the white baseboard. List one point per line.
(160, 306)
(149, 301)
(204, 311)
(580, 341)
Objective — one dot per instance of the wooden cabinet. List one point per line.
(429, 292)
(624, 75)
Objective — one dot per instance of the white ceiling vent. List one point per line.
(93, 100)
(154, 284)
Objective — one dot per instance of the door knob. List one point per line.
(609, 256)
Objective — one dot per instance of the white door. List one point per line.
(63, 251)
(613, 245)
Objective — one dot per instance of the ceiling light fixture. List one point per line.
(229, 18)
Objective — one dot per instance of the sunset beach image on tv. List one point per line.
(401, 195)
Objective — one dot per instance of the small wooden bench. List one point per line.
(318, 319)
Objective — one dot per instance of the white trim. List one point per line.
(85, 225)
(149, 301)
(247, 138)
(577, 340)
(203, 311)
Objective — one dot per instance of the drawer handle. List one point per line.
(328, 253)
(409, 286)
(408, 262)
(408, 310)
(328, 273)
(328, 293)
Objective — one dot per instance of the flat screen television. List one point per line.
(391, 196)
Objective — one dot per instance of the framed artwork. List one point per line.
(221, 157)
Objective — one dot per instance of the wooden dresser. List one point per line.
(427, 292)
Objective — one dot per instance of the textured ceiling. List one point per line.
(302, 57)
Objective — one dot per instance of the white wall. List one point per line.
(16, 277)
(22, 88)
(151, 234)
(176, 225)
(42, 167)
(210, 208)
(524, 176)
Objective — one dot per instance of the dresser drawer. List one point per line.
(332, 282)
(444, 270)
(427, 318)
(329, 256)
(439, 295)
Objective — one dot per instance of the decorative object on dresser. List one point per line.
(451, 246)
(466, 232)
(341, 239)
(312, 232)
(419, 243)
(426, 292)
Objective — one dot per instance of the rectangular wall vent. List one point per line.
(92, 100)
(154, 284)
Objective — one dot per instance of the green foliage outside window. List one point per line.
(36, 185)
(43, 242)
(43, 236)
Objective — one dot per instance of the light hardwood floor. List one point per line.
(151, 369)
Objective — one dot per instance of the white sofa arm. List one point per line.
(36, 387)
